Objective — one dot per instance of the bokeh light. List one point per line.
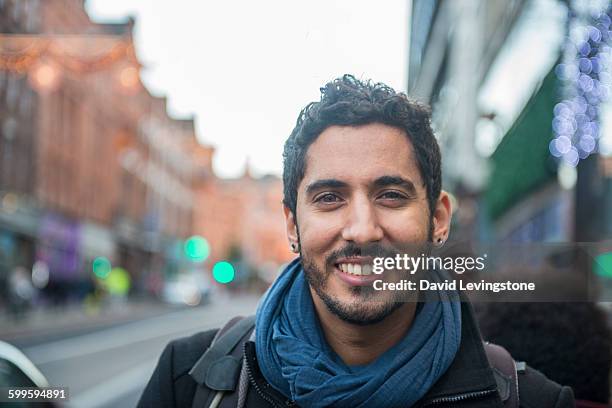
(197, 249)
(40, 274)
(101, 267)
(45, 77)
(223, 272)
(603, 265)
(118, 282)
(586, 78)
(129, 78)
(10, 203)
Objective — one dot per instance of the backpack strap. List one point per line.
(505, 371)
(217, 369)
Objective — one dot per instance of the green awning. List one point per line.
(522, 162)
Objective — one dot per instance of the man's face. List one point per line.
(362, 196)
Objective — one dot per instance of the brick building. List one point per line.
(18, 104)
(92, 164)
(243, 221)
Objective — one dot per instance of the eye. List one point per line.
(392, 195)
(392, 199)
(327, 198)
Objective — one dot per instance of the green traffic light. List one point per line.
(196, 248)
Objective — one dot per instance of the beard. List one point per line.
(367, 305)
(365, 309)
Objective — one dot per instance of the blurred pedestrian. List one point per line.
(21, 292)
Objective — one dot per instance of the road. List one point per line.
(110, 367)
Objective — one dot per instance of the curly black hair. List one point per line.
(570, 343)
(347, 101)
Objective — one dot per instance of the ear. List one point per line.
(442, 216)
(291, 225)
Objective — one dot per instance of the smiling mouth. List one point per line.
(356, 269)
(357, 273)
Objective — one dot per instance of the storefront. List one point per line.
(59, 248)
(18, 231)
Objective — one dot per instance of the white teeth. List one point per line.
(355, 269)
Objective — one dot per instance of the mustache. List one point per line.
(369, 250)
(376, 250)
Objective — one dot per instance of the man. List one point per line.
(362, 179)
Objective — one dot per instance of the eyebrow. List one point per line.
(386, 181)
(325, 183)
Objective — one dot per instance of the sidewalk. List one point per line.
(50, 322)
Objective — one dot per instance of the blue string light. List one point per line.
(585, 74)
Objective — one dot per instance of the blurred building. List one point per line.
(92, 164)
(489, 69)
(94, 171)
(19, 213)
(243, 221)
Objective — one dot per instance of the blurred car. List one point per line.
(16, 370)
(189, 289)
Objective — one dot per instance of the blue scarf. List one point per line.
(296, 360)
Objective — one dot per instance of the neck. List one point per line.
(360, 345)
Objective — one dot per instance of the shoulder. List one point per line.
(170, 384)
(536, 391)
(184, 352)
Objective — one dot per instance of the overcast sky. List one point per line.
(246, 68)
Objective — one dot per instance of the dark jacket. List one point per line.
(469, 381)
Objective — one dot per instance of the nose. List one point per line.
(362, 226)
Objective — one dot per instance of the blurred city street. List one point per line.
(146, 184)
(109, 365)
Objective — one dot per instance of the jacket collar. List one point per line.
(470, 372)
